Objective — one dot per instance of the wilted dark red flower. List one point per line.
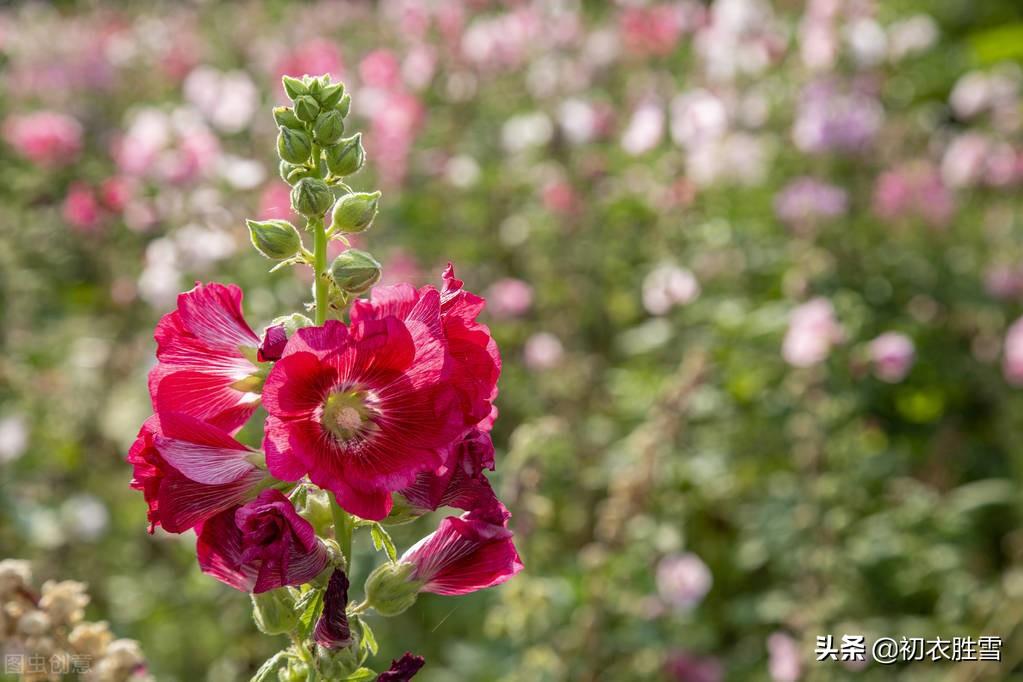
(465, 554)
(202, 369)
(261, 545)
(460, 482)
(402, 669)
(189, 471)
(332, 629)
(275, 338)
(364, 409)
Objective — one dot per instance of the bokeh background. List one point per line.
(755, 267)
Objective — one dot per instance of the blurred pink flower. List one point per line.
(509, 297)
(46, 138)
(645, 130)
(275, 202)
(804, 201)
(784, 662)
(683, 580)
(313, 57)
(542, 351)
(559, 197)
(1004, 281)
(685, 667)
(1012, 360)
(380, 69)
(82, 209)
(395, 123)
(401, 266)
(116, 192)
(914, 189)
(653, 30)
(812, 331)
(892, 355)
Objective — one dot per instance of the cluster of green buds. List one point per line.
(316, 159)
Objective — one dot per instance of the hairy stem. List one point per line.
(320, 268)
(343, 528)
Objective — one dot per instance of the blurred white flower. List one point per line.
(242, 173)
(228, 100)
(543, 350)
(579, 120)
(85, 516)
(667, 286)
(697, 117)
(13, 437)
(645, 129)
(784, 659)
(911, 36)
(867, 41)
(526, 130)
(462, 171)
(892, 355)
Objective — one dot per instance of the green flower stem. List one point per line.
(320, 268)
(307, 658)
(344, 525)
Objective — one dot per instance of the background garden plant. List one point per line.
(754, 269)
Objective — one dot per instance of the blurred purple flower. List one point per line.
(804, 201)
(683, 580)
(892, 355)
(685, 667)
(830, 120)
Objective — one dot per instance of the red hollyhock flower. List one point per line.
(465, 554)
(364, 409)
(460, 482)
(189, 471)
(332, 629)
(475, 359)
(402, 669)
(202, 369)
(261, 545)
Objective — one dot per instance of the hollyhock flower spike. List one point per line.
(379, 410)
(205, 368)
(261, 545)
(189, 471)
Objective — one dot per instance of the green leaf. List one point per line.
(369, 640)
(268, 671)
(360, 675)
(382, 539)
(309, 606)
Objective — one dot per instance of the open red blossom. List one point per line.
(202, 370)
(363, 409)
(402, 669)
(189, 471)
(475, 359)
(460, 482)
(466, 553)
(261, 545)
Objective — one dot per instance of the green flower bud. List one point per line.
(329, 127)
(389, 589)
(293, 145)
(292, 323)
(355, 212)
(286, 118)
(344, 105)
(294, 87)
(316, 84)
(347, 156)
(330, 95)
(315, 509)
(275, 239)
(274, 611)
(311, 197)
(355, 271)
(306, 108)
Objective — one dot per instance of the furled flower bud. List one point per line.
(344, 105)
(275, 239)
(311, 197)
(355, 212)
(347, 156)
(390, 590)
(293, 145)
(306, 108)
(355, 271)
(274, 611)
(286, 118)
(330, 95)
(329, 127)
(294, 87)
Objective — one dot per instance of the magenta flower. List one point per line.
(460, 482)
(465, 554)
(261, 545)
(81, 209)
(202, 369)
(190, 471)
(363, 410)
(332, 629)
(402, 669)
